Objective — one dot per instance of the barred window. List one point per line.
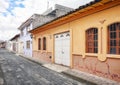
(92, 40)
(114, 38)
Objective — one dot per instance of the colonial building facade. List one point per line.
(86, 39)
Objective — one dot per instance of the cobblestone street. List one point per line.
(15, 70)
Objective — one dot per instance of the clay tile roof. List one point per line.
(79, 8)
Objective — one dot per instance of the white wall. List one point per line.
(26, 36)
(9, 45)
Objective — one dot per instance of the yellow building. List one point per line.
(87, 39)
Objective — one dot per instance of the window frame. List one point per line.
(111, 38)
(91, 40)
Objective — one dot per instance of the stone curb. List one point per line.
(45, 65)
(33, 60)
(78, 78)
(90, 78)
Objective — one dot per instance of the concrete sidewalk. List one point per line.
(90, 77)
(77, 75)
(55, 67)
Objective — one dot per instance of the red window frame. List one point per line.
(92, 40)
(114, 38)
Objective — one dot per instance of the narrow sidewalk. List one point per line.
(75, 74)
(90, 77)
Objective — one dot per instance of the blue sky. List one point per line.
(14, 12)
(12, 6)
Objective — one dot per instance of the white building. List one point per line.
(14, 44)
(9, 45)
(25, 39)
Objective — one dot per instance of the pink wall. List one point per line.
(44, 56)
(108, 69)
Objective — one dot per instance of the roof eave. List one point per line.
(83, 8)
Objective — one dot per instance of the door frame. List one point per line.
(71, 59)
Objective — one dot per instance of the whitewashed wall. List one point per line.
(24, 38)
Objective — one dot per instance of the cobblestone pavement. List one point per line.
(15, 70)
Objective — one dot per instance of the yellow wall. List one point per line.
(77, 30)
(49, 35)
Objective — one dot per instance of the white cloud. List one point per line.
(6, 35)
(70, 3)
(3, 5)
(31, 7)
(9, 24)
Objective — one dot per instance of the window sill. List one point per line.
(44, 51)
(77, 54)
(41, 51)
(91, 54)
(86, 54)
(113, 56)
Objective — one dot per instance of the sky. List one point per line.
(14, 12)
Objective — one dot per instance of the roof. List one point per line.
(79, 9)
(28, 21)
(42, 17)
(16, 36)
(2, 42)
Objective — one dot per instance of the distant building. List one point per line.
(2, 44)
(9, 45)
(14, 44)
(38, 20)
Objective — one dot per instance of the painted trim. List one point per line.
(113, 56)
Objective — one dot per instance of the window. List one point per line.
(28, 44)
(114, 38)
(44, 43)
(39, 44)
(92, 40)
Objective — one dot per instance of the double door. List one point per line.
(62, 48)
